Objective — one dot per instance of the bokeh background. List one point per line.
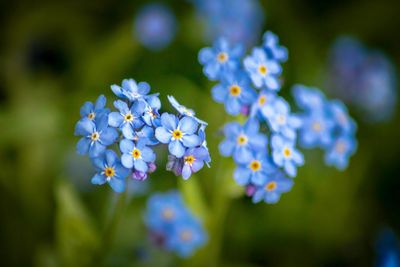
(55, 55)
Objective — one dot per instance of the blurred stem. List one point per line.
(107, 239)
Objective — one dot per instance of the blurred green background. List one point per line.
(55, 55)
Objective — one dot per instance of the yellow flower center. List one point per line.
(222, 57)
(109, 172)
(262, 69)
(168, 214)
(255, 165)
(271, 186)
(242, 140)
(136, 154)
(95, 136)
(317, 127)
(262, 100)
(186, 235)
(235, 90)
(91, 115)
(340, 147)
(189, 160)
(287, 152)
(128, 117)
(177, 134)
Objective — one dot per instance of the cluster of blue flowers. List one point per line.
(264, 147)
(364, 78)
(172, 226)
(136, 127)
(327, 125)
(240, 21)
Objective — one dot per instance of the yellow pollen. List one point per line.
(340, 147)
(262, 69)
(242, 140)
(186, 235)
(255, 165)
(128, 117)
(286, 152)
(262, 100)
(271, 186)
(222, 57)
(109, 172)
(177, 134)
(168, 214)
(235, 90)
(91, 115)
(136, 153)
(95, 136)
(189, 160)
(317, 127)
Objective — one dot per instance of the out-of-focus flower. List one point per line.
(110, 171)
(271, 191)
(178, 229)
(155, 26)
(263, 71)
(255, 171)
(388, 249)
(273, 48)
(219, 59)
(340, 151)
(363, 78)
(286, 155)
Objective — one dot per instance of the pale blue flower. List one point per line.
(285, 155)
(270, 192)
(131, 90)
(272, 47)
(136, 156)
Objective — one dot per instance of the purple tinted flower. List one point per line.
(193, 161)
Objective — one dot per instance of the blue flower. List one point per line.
(186, 237)
(145, 135)
(151, 116)
(234, 91)
(184, 111)
(340, 152)
(90, 111)
(110, 171)
(341, 117)
(202, 135)
(273, 188)
(97, 135)
(128, 119)
(272, 47)
(178, 134)
(220, 59)
(263, 108)
(193, 161)
(316, 130)
(308, 98)
(286, 155)
(281, 121)
(155, 26)
(131, 90)
(263, 71)
(136, 156)
(242, 140)
(255, 171)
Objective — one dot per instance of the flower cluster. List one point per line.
(172, 226)
(364, 78)
(264, 147)
(327, 125)
(136, 127)
(237, 20)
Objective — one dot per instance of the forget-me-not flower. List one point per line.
(90, 110)
(255, 171)
(193, 161)
(316, 130)
(341, 117)
(263, 71)
(262, 108)
(178, 134)
(136, 156)
(131, 90)
(272, 47)
(341, 150)
(110, 171)
(308, 98)
(271, 191)
(285, 154)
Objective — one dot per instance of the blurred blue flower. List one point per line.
(234, 91)
(255, 171)
(97, 135)
(272, 47)
(263, 71)
(241, 141)
(341, 117)
(110, 171)
(178, 134)
(271, 191)
(388, 250)
(309, 99)
(219, 59)
(262, 108)
(193, 160)
(286, 155)
(155, 26)
(136, 156)
(127, 119)
(131, 90)
(316, 130)
(90, 110)
(341, 150)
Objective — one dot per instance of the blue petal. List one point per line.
(242, 176)
(176, 149)
(96, 150)
(140, 165)
(127, 161)
(115, 119)
(121, 172)
(98, 179)
(188, 125)
(186, 172)
(84, 127)
(121, 106)
(117, 90)
(242, 155)
(163, 135)
(219, 93)
(290, 168)
(169, 121)
(233, 106)
(111, 157)
(118, 185)
(226, 148)
(148, 155)
(127, 131)
(86, 109)
(126, 146)
(83, 146)
(191, 140)
(143, 88)
(108, 136)
(100, 102)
